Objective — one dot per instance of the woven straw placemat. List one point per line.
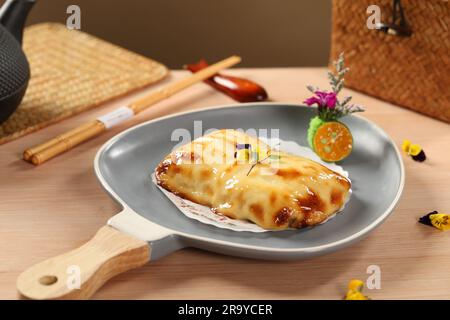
(72, 71)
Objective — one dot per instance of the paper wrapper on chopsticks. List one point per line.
(74, 137)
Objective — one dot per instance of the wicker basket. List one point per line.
(411, 71)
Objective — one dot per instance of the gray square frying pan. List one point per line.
(150, 226)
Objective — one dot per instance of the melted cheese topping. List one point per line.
(289, 192)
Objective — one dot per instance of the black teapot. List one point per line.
(14, 68)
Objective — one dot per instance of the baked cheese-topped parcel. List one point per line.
(277, 191)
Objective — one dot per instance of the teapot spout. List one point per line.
(13, 15)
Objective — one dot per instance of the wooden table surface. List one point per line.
(50, 209)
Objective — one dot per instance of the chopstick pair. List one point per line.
(70, 139)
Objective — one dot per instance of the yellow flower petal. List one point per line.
(355, 295)
(405, 146)
(355, 285)
(414, 149)
(354, 292)
(440, 221)
(243, 155)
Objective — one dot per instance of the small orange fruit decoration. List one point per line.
(333, 141)
(329, 138)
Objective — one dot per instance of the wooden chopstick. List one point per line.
(27, 154)
(70, 139)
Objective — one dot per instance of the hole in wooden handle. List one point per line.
(109, 253)
(48, 280)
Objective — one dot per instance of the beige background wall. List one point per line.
(266, 33)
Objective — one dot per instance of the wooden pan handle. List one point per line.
(79, 273)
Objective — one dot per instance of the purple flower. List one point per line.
(323, 99)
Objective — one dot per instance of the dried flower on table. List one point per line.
(354, 292)
(438, 220)
(414, 150)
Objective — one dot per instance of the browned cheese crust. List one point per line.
(291, 192)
